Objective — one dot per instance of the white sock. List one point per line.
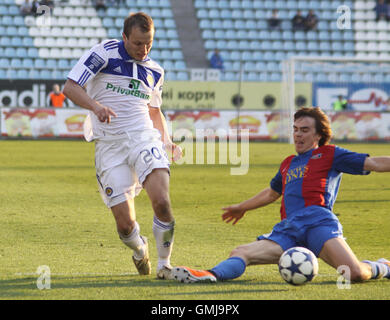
(163, 233)
(379, 270)
(134, 241)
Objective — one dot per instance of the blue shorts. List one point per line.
(310, 231)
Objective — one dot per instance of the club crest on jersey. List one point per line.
(109, 191)
(316, 156)
(94, 62)
(150, 79)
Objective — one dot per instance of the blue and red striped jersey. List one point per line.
(313, 178)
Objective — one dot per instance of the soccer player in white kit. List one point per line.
(122, 86)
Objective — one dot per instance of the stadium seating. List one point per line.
(247, 25)
(75, 26)
(237, 28)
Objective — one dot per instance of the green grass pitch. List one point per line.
(51, 215)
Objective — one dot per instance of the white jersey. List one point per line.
(116, 80)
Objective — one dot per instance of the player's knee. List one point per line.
(240, 251)
(125, 227)
(162, 208)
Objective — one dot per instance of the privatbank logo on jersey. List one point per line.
(133, 90)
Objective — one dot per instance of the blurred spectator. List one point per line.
(274, 21)
(34, 7)
(100, 5)
(341, 104)
(381, 10)
(57, 98)
(25, 8)
(216, 61)
(298, 21)
(311, 20)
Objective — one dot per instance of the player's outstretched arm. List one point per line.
(377, 164)
(160, 124)
(236, 212)
(77, 94)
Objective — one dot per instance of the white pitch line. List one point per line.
(75, 274)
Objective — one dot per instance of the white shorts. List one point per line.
(123, 163)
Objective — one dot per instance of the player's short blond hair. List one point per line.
(322, 122)
(140, 20)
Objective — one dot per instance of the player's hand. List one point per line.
(234, 212)
(103, 113)
(174, 151)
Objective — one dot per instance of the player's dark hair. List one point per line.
(140, 20)
(322, 122)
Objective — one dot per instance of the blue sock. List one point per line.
(379, 270)
(229, 269)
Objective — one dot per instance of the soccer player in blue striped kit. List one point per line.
(308, 184)
(122, 88)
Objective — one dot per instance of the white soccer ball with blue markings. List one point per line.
(298, 265)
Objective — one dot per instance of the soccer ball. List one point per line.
(298, 265)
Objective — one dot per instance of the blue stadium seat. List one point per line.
(288, 46)
(182, 76)
(13, 11)
(169, 23)
(16, 42)
(337, 46)
(39, 63)
(235, 55)
(320, 77)
(260, 66)
(22, 74)
(349, 46)
(172, 34)
(51, 64)
(34, 74)
(263, 76)
(180, 65)
(230, 76)
(177, 54)
(275, 77)
(112, 12)
(9, 52)
(16, 63)
(108, 22)
(257, 55)
(27, 63)
(3, 74)
(57, 75)
(250, 76)
(21, 52)
(3, 10)
(325, 46)
(45, 74)
(246, 56)
(174, 44)
(11, 31)
(249, 66)
(32, 52)
(7, 20)
(4, 63)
